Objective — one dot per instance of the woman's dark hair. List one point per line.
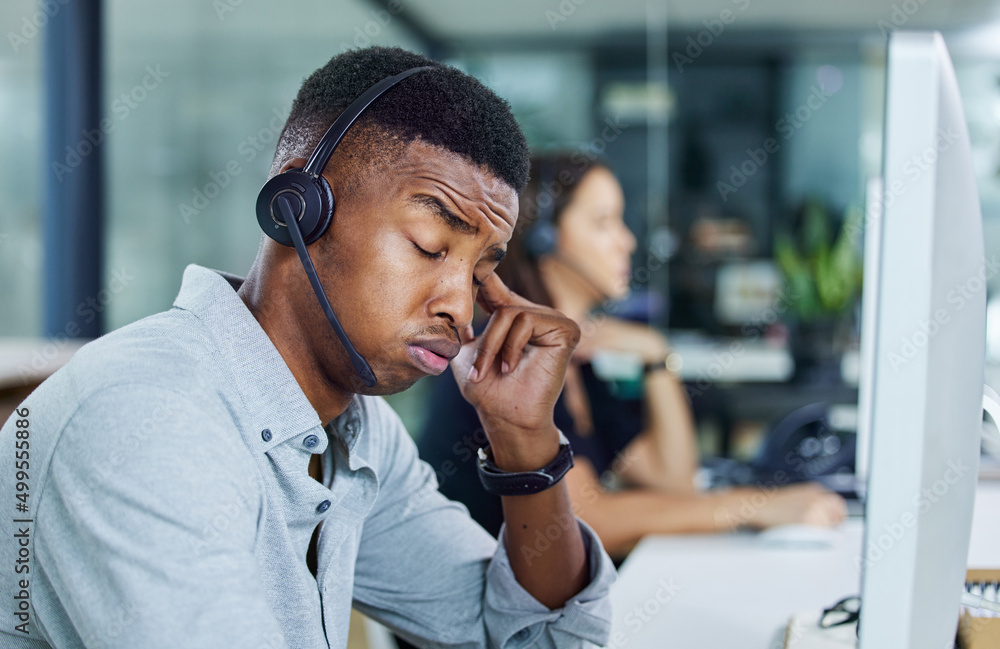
(552, 182)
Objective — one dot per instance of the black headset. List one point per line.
(542, 236)
(296, 207)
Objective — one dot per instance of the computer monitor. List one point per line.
(925, 386)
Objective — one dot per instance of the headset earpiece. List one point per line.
(310, 198)
(541, 240)
(542, 236)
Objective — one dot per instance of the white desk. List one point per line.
(735, 592)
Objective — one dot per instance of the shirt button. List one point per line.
(522, 634)
(266, 434)
(323, 506)
(311, 441)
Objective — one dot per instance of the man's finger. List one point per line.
(494, 294)
(491, 342)
(521, 331)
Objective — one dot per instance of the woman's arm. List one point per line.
(665, 454)
(622, 518)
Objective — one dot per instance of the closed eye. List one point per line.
(428, 254)
(439, 255)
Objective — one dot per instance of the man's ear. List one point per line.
(293, 163)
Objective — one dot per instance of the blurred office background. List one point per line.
(680, 96)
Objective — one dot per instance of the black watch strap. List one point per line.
(525, 483)
(656, 366)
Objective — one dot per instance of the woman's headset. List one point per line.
(542, 236)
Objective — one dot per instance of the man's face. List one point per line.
(401, 263)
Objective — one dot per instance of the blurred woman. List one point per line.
(572, 250)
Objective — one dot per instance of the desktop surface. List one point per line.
(728, 592)
(738, 592)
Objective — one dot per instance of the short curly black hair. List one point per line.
(443, 107)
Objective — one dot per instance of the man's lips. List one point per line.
(433, 355)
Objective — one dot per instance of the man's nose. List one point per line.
(452, 298)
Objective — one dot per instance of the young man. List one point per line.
(219, 475)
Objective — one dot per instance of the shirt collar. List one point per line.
(270, 393)
(346, 429)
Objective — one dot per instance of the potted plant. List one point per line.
(819, 259)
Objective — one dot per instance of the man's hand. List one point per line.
(513, 373)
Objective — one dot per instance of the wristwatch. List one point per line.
(525, 483)
(656, 366)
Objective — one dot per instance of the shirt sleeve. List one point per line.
(145, 529)
(430, 573)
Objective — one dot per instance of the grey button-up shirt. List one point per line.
(167, 503)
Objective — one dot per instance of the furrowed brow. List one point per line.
(454, 221)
